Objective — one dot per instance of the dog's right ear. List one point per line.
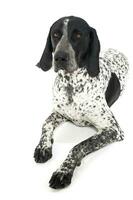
(45, 62)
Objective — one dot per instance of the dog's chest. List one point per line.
(74, 96)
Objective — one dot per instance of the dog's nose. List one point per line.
(61, 57)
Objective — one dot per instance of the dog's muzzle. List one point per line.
(61, 59)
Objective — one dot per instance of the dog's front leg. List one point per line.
(108, 132)
(43, 151)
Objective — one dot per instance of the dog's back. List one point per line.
(118, 66)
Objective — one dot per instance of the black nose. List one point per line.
(61, 57)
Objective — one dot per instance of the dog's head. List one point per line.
(74, 44)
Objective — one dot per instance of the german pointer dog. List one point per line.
(87, 84)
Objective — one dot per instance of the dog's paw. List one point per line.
(41, 155)
(60, 180)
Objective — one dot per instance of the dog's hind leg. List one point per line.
(43, 151)
(106, 135)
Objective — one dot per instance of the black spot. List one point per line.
(85, 73)
(60, 75)
(69, 89)
(52, 140)
(67, 77)
(98, 97)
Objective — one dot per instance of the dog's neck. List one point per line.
(72, 75)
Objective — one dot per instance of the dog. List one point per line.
(88, 82)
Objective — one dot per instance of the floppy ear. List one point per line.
(92, 56)
(45, 62)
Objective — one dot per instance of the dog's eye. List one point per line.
(56, 35)
(78, 35)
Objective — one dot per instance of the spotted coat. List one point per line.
(79, 98)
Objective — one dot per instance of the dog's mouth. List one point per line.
(58, 68)
(68, 67)
(65, 69)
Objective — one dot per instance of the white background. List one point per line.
(26, 100)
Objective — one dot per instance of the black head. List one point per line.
(74, 44)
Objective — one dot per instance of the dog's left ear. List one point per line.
(92, 57)
(45, 62)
